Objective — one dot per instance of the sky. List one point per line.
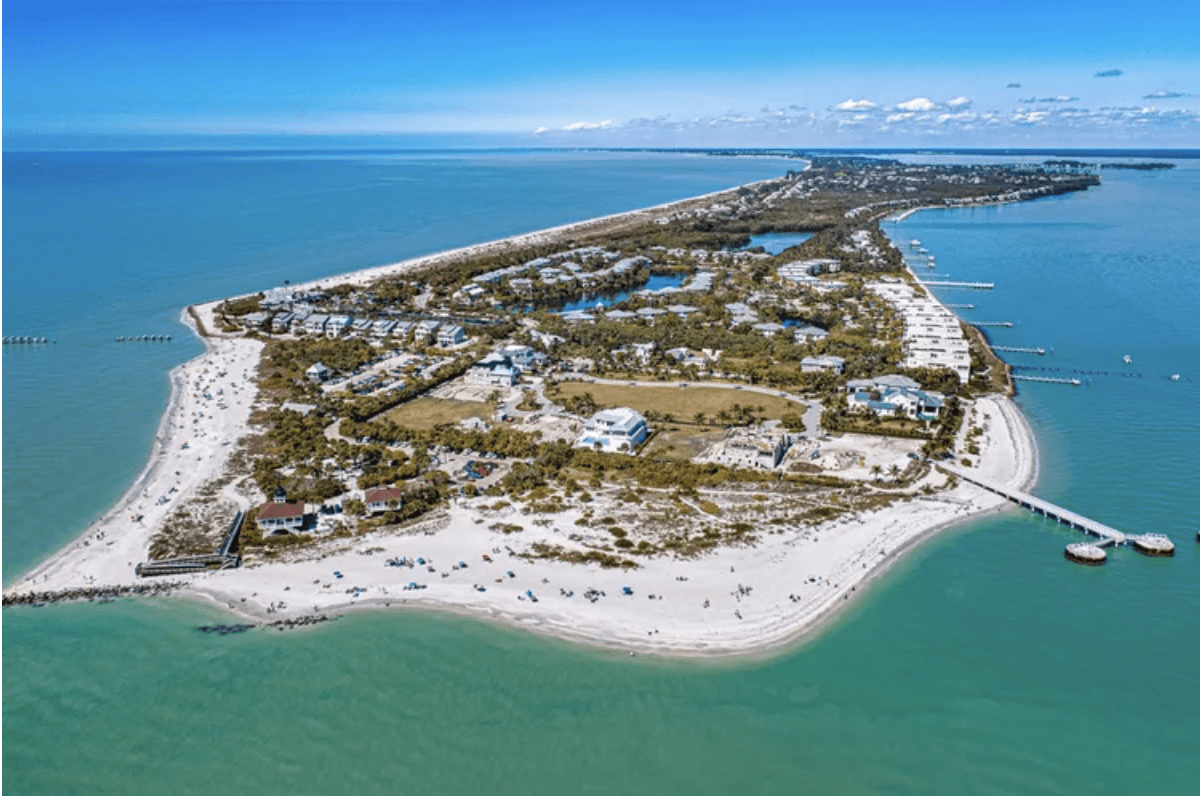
(797, 74)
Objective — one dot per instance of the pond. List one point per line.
(775, 242)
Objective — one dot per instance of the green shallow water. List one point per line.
(982, 664)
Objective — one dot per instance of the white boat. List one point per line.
(1128, 360)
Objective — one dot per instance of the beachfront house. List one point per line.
(614, 430)
(317, 372)
(824, 364)
(279, 516)
(383, 499)
(523, 356)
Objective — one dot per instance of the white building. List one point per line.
(317, 372)
(383, 499)
(451, 335)
(495, 370)
(824, 364)
(315, 323)
(614, 430)
(337, 325)
(894, 395)
(279, 516)
(803, 334)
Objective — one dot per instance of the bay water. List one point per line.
(983, 663)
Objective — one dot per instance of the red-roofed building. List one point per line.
(384, 499)
(279, 516)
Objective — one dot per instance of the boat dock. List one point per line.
(997, 324)
(1047, 380)
(1106, 535)
(1018, 350)
(968, 285)
(959, 306)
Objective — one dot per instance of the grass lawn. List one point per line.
(426, 413)
(682, 402)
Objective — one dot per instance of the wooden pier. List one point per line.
(959, 306)
(1047, 380)
(1106, 535)
(1018, 350)
(967, 285)
(997, 324)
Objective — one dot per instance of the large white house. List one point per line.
(894, 395)
(614, 430)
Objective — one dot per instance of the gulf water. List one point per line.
(983, 663)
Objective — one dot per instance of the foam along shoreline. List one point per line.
(195, 438)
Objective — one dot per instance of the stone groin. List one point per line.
(300, 621)
(91, 593)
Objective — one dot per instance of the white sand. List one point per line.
(108, 550)
(842, 557)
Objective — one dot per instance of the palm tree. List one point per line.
(876, 470)
(699, 418)
(894, 472)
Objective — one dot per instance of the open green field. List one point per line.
(682, 402)
(427, 413)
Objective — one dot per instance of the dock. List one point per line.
(959, 306)
(995, 324)
(1018, 350)
(1106, 535)
(1047, 380)
(967, 285)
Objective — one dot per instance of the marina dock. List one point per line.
(997, 324)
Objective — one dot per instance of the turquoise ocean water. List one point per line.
(984, 663)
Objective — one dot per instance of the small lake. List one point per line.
(609, 299)
(775, 242)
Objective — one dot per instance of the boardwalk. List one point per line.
(1106, 535)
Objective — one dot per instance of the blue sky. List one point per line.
(1056, 73)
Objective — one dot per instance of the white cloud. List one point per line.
(1163, 94)
(959, 102)
(917, 104)
(855, 105)
(899, 117)
(604, 125)
(539, 131)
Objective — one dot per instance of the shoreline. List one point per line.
(258, 592)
